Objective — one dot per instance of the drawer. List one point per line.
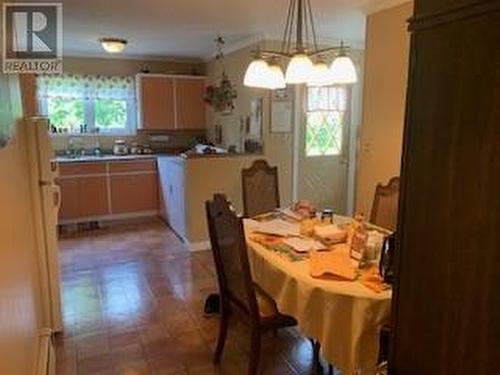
(132, 166)
(77, 169)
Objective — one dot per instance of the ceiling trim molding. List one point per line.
(236, 46)
(370, 7)
(263, 38)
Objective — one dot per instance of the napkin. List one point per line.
(336, 263)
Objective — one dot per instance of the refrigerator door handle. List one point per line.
(57, 197)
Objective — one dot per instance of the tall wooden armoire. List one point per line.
(446, 307)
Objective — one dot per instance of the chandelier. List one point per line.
(306, 61)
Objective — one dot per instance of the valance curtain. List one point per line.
(71, 86)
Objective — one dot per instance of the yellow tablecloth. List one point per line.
(345, 317)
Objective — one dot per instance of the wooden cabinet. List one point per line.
(170, 102)
(69, 199)
(83, 190)
(83, 197)
(446, 302)
(107, 190)
(134, 193)
(190, 105)
(156, 103)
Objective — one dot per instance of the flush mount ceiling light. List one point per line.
(113, 45)
(306, 63)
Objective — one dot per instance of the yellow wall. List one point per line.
(20, 313)
(277, 146)
(206, 176)
(386, 71)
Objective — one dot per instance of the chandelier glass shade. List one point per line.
(343, 71)
(299, 48)
(321, 75)
(257, 74)
(299, 69)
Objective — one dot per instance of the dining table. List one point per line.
(344, 316)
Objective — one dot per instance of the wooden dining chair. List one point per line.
(385, 205)
(260, 188)
(239, 294)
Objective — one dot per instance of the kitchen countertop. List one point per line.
(104, 158)
(184, 156)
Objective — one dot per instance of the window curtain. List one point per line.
(71, 86)
(327, 98)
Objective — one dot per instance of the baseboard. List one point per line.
(198, 246)
(114, 217)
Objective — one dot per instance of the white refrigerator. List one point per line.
(46, 201)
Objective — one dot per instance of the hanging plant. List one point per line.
(221, 97)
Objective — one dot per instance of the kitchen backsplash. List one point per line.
(165, 143)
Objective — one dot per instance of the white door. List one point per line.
(323, 147)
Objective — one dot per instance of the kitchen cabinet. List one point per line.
(108, 190)
(83, 197)
(69, 208)
(134, 193)
(169, 102)
(190, 104)
(156, 100)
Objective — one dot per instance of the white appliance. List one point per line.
(46, 199)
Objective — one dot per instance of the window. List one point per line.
(325, 116)
(100, 104)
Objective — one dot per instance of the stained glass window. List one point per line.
(326, 113)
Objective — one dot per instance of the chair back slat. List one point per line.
(260, 188)
(230, 255)
(385, 205)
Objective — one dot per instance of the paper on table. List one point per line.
(288, 212)
(276, 227)
(301, 245)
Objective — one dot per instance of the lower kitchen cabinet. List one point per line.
(108, 190)
(134, 193)
(69, 199)
(83, 197)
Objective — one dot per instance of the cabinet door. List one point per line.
(190, 104)
(93, 196)
(83, 197)
(157, 103)
(69, 199)
(134, 193)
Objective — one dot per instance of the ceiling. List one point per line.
(187, 28)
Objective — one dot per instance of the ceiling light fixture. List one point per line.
(113, 45)
(300, 52)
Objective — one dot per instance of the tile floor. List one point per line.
(133, 297)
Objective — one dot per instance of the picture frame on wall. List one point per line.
(282, 111)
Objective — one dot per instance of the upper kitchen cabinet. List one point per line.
(156, 102)
(169, 102)
(190, 105)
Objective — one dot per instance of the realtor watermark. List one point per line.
(32, 38)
